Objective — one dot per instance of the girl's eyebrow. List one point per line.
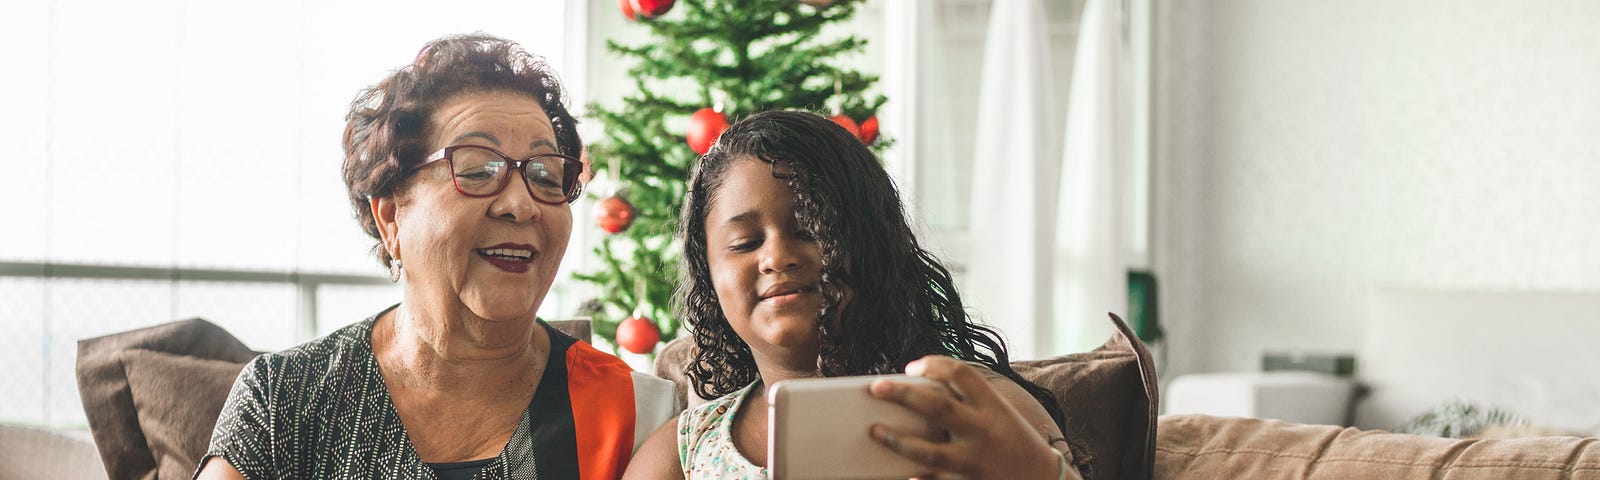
(746, 217)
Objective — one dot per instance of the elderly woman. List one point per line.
(462, 166)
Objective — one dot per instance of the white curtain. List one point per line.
(1013, 180)
(1047, 239)
(1089, 258)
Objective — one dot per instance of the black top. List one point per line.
(321, 410)
(459, 470)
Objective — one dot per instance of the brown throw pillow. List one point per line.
(153, 395)
(1108, 396)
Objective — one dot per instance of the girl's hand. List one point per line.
(988, 438)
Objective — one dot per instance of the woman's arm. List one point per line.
(218, 468)
(658, 457)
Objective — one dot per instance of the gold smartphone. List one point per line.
(818, 429)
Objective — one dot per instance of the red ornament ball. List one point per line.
(627, 9)
(848, 124)
(818, 3)
(649, 8)
(653, 8)
(638, 335)
(704, 127)
(869, 130)
(614, 214)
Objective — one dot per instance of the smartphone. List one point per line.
(820, 429)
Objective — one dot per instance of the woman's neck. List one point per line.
(442, 350)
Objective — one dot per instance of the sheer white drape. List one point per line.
(1089, 255)
(1013, 180)
(1047, 253)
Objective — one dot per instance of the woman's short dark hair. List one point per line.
(385, 129)
(887, 300)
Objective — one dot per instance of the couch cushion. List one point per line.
(38, 452)
(177, 399)
(1107, 395)
(1205, 447)
(152, 395)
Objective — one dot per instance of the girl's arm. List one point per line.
(657, 458)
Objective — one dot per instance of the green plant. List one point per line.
(1458, 419)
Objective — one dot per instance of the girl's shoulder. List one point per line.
(705, 440)
(696, 420)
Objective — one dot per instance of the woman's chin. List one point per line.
(501, 312)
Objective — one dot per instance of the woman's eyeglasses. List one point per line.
(480, 171)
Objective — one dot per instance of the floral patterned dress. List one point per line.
(705, 441)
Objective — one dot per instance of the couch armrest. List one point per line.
(1205, 447)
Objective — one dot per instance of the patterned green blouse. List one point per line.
(705, 441)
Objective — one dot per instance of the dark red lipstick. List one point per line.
(511, 257)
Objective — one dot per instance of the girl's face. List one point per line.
(764, 267)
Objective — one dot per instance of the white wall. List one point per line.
(1309, 152)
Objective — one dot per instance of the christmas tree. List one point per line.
(708, 63)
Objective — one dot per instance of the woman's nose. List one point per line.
(515, 203)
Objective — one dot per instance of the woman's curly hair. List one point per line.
(902, 303)
(387, 126)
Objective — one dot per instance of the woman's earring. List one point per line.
(394, 270)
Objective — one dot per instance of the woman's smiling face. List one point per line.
(764, 266)
(497, 254)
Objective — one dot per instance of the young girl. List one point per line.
(798, 263)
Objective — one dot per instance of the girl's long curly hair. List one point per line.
(903, 304)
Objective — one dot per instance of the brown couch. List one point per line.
(145, 424)
(1201, 447)
(1108, 396)
(1110, 399)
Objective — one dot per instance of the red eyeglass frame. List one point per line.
(571, 168)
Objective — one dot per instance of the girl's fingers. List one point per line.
(963, 378)
(935, 403)
(936, 456)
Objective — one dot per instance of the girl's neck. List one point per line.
(774, 369)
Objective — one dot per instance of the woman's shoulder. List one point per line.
(339, 359)
(580, 354)
(348, 343)
(287, 406)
